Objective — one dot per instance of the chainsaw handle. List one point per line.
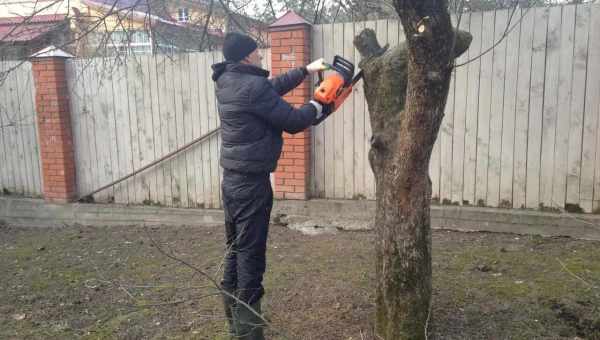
(320, 73)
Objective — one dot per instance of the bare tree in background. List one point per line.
(99, 29)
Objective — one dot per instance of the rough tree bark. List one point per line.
(406, 89)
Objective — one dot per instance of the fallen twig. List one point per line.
(575, 275)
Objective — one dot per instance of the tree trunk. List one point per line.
(406, 89)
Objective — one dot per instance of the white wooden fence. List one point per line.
(19, 148)
(129, 113)
(521, 124)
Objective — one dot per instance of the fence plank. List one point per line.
(485, 105)
(215, 141)
(329, 124)
(318, 132)
(6, 134)
(169, 143)
(156, 128)
(195, 152)
(108, 134)
(187, 131)
(392, 32)
(107, 127)
(205, 146)
(165, 86)
(36, 151)
(582, 16)
(348, 119)
(338, 122)
(70, 75)
(565, 79)
(142, 185)
(146, 130)
(91, 88)
(590, 185)
(459, 124)
(77, 97)
(26, 111)
(24, 126)
(361, 163)
(87, 132)
(551, 93)
(534, 140)
(474, 69)
(435, 162)
(446, 137)
(180, 164)
(17, 138)
(93, 120)
(13, 135)
(204, 128)
(496, 112)
(4, 164)
(509, 113)
(122, 132)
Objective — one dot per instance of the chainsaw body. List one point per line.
(336, 87)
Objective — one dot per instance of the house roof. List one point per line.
(23, 29)
(146, 9)
(135, 5)
(137, 8)
(142, 10)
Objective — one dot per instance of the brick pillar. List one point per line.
(290, 48)
(54, 124)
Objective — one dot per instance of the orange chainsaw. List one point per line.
(336, 87)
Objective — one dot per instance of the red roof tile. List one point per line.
(35, 19)
(19, 29)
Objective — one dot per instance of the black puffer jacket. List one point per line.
(253, 115)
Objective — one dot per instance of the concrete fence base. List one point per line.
(342, 215)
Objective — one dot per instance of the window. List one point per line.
(129, 42)
(183, 15)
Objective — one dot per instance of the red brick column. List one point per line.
(54, 125)
(290, 48)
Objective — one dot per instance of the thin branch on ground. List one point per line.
(564, 267)
(212, 281)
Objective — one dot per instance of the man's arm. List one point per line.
(286, 82)
(289, 80)
(269, 106)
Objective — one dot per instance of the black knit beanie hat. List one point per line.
(237, 46)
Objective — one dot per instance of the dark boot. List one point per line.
(248, 325)
(229, 306)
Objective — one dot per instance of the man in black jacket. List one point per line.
(253, 117)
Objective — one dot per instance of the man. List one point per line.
(253, 117)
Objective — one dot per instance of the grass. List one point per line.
(111, 283)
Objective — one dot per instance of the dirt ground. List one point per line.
(113, 283)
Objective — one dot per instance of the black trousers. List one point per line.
(247, 202)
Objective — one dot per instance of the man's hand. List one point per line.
(323, 111)
(316, 66)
